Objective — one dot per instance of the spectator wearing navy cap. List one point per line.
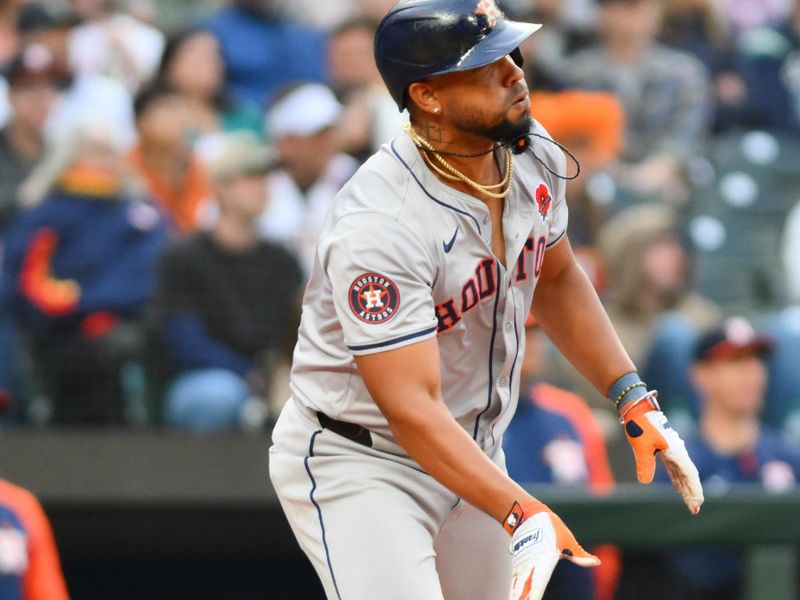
(35, 79)
(731, 446)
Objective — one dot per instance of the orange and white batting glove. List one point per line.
(539, 539)
(649, 434)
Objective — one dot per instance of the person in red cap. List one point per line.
(34, 79)
(731, 445)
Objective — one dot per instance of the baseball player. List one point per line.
(387, 459)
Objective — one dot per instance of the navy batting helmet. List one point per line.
(422, 38)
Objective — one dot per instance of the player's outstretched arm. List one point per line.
(568, 309)
(405, 385)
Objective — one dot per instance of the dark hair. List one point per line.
(35, 18)
(175, 41)
(151, 94)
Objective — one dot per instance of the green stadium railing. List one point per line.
(173, 496)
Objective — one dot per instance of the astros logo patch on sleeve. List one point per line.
(374, 298)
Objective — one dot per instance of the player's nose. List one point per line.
(513, 73)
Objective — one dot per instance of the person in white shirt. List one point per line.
(302, 124)
(112, 43)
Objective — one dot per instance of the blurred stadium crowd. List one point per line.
(161, 190)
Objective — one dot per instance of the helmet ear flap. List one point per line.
(516, 56)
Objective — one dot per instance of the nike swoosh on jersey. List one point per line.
(449, 245)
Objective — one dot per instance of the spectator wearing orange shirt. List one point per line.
(163, 158)
(29, 565)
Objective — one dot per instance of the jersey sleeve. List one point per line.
(381, 279)
(558, 226)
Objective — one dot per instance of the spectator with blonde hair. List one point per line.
(79, 268)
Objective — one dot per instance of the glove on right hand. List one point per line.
(537, 544)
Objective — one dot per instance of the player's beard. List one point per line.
(502, 129)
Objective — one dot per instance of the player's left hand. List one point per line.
(649, 434)
(537, 545)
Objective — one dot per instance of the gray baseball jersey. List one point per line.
(403, 258)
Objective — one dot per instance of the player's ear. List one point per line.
(424, 97)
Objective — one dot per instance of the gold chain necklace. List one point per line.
(451, 173)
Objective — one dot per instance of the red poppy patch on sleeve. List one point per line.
(374, 298)
(543, 200)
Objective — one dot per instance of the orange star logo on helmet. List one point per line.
(490, 10)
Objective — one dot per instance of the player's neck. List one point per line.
(729, 433)
(482, 169)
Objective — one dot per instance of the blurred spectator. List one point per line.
(49, 25)
(79, 267)
(332, 14)
(591, 125)
(374, 10)
(10, 39)
(783, 406)
(228, 302)
(303, 123)
(563, 33)
(697, 27)
(650, 299)
(323, 15)
(264, 51)
(744, 15)
(791, 254)
(770, 63)
(112, 43)
(35, 80)
(370, 116)
(192, 64)
(164, 158)
(96, 97)
(731, 446)
(554, 438)
(665, 94)
(20, 25)
(30, 568)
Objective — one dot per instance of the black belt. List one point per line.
(351, 431)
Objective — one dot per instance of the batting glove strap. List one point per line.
(649, 433)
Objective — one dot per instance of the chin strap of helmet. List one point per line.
(521, 144)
